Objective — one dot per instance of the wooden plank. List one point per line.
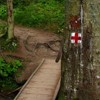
(36, 97)
(44, 85)
(44, 91)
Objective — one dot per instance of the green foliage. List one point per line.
(7, 72)
(6, 44)
(9, 68)
(3, 29)
(46, 14)
(3, 12)
(7, 84)
(22, 2)
(3, 1)
(9, 45)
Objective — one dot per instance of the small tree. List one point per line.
(10, 19)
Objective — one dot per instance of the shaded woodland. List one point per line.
(80, 63)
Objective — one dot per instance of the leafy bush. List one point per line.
(9, 68)
(7, 71)
(46, 14)
(18, 3)
(3, 12)
(7, 84)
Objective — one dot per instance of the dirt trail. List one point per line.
(40, 35)
(38, 38)
(33, 46)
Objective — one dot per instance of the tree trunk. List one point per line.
(79, 61)
(10, 19)
(93, 13)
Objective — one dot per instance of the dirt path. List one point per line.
(40, 35)
(33, 46)
(39, 38)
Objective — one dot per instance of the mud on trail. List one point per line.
(33, 46)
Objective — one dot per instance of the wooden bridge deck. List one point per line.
(44, 84)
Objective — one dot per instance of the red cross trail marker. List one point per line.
(76, 37)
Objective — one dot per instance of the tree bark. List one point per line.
(78, 79)
(10, 19)
(93, 15)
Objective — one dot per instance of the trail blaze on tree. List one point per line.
(75, 22)
(79, 62)
(10, 19)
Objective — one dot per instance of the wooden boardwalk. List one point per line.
(43, 84)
